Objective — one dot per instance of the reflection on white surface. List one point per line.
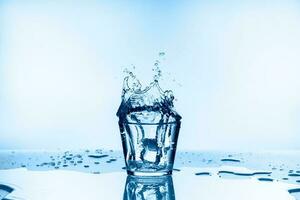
(75, 185)
(5, 190)
(154, 188)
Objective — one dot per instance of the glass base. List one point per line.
(158, 173)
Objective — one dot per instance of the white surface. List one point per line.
(61, 185)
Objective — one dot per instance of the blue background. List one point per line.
(233, 66)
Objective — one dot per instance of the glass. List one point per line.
(156, 188)
(149, 148)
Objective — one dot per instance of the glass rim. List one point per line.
(165, 123)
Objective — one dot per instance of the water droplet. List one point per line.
(294, 190)
(265, 179)
(244, 174)
(111, 160)
(230, 160)
(97, 156)
(202, 174)
(161, 53)
(294, 175)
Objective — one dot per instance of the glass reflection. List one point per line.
(4, 191)
(146, 188)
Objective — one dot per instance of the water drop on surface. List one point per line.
(230, 160)
(97, 156)
(265, 179)
(202, 174)
(294, 175)
(295, 190)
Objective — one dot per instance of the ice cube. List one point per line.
(150, 153)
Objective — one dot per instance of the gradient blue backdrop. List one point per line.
(236, 66)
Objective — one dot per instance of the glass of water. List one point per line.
(149, 148)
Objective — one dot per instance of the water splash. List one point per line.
(148, 123)
(149, 104)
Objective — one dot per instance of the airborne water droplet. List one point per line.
(162, 53)
(156, 64)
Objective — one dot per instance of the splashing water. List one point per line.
(150, 104)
